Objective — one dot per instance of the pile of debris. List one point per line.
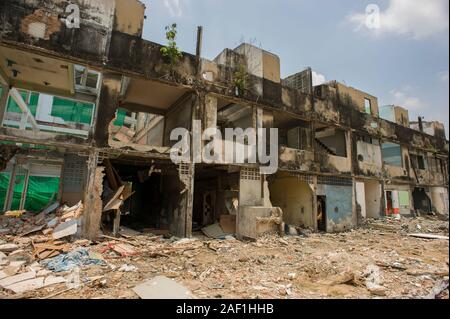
(425, 227)
(27, 238)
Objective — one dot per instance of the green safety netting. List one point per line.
(40, 192)
(120, 118)
(4, 182)
(14, 108)
(72, 111)
(68, 110)
(18, 189)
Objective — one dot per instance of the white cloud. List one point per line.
(318, 78)
(418, 18)
(443, 76)
(174, 7)
(403, 98)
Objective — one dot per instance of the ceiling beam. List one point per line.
(136, 107)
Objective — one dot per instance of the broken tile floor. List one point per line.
(378, 260)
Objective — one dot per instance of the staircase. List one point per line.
(323, 148)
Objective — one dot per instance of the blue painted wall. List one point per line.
(339, 207)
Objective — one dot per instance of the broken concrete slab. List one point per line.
(32, 230)
(26, 285)
(162, 287)
(214, 231)
(17, 278)
(66, 229)
(51, 208)
(53, 222)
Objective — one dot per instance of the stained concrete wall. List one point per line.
(373, 199)
(360, 192)
(339, 208)
(356, 98)
(295, 198)
(179, 117)
(439, 200)
(250, 190)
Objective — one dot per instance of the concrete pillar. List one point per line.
(91, 221)
(184, 223)
(107, 105)
(3, 101)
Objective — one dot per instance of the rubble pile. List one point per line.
(379, 260)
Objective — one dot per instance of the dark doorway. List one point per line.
(422, 202)
(321, 213)
(153, 196)
(389, 203)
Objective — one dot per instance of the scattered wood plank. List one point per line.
(114, 198)
(110, 176)
(118, 239)
(429, 236)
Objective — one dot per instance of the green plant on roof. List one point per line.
(240, 80)
(171, 51)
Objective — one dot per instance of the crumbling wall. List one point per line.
(39, 23)
(439, 200)
(296, 160)
(295, 198)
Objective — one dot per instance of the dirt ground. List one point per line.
(378, 260)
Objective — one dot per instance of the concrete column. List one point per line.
(3, 101)
(107, 105)
(210, 112)
(184, 222)
(314, 203)
(90, 225)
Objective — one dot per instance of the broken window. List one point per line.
(85, 79)
(418, 161)
(370, 140)
(332, 141)
(392, 154)
(49, 113)
(367, 106)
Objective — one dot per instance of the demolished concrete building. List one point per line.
(86, 114)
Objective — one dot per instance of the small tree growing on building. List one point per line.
(171, 51)
(240, 79)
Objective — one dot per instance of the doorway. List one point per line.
(321, 213)
(389, 203)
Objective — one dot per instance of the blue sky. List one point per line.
(405, 61)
